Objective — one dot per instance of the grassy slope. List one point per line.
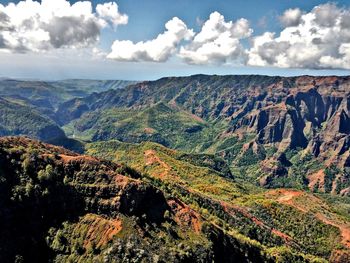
(160, 123)
(62, 207)
(307, 227)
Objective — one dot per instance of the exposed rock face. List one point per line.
(273, 169)
(314, 116)
(296, 112)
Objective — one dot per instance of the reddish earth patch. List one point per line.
(79, 158)
(149, 130)
(195, 117)
(152, 158)
(340, 256)
(288, 197)
(315, 178)
(185, 216)
(277, 107)
(101, 230)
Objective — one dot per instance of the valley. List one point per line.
(237, 168)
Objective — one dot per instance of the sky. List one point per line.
(149, 39)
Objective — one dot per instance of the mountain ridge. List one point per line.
(78, 207)
(287, 113)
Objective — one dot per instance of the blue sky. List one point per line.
(147, 19)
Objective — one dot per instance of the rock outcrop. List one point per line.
(295, 112)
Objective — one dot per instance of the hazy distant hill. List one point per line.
(50, 94)
(28, 107)
(17, 118)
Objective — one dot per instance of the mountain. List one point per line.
(17, 118)
(49, 94)
(197, 179)
(276, 131)
(59, 206)
(200, 168)
(85, 87)
(28, 107)
(160, 122)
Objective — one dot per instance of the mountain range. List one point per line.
(243, 168)
(245, 119)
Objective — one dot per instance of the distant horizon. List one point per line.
(168, 76)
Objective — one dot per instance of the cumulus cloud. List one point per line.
(158, 49)
(218, 41)
(318, 39)
(34, 26)
(110, 13)
(291, 17)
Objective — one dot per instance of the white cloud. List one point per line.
(318, 39)
(158, 49)
(218, 42)
(342, 62)
(291, 17)
(110, 13)
(34, 26)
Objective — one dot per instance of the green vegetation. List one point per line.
(300, 227)
(64, 206)
(176, 170)
(160, 123)
(16, 119)
(194, 185)
(49, 94)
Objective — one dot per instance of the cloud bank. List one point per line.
(318, 39)
(158, 50)
(51, 24)
(218, 42)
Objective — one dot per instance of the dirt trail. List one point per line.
(233, 208)
(286, 196)
(343, 227)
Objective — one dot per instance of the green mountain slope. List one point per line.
(160, 123)
(268, 128)
(19, 119)
(61, 207)
(302, 221)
